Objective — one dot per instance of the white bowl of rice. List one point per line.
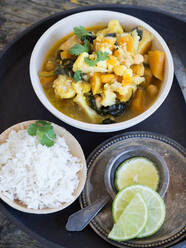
(38, 179)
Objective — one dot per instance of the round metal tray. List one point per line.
(174, 226)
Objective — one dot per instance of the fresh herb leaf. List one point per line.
(90, 62)
(83, 34)
(32, 130)
(44, 132)
(89, 38)
(87, 45)
(81, 31)
(101, 56)
(77, 76)
(78, 48)
(65, 68)
(48, 138)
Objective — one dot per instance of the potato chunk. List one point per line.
(70, 42)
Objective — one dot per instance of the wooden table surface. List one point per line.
(15, 16)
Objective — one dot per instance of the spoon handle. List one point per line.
(80, 219)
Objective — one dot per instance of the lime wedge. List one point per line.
(155, 204)
(137, 170)
(132, 220)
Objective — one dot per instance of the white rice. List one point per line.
(39, 176)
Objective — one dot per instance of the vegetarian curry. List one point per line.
(103, 74)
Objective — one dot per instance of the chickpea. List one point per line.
(152, 90)
(49, 66)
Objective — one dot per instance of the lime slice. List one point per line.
(132, 220)
(155, 204)
(137, 170)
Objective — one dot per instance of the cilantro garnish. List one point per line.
(101, 56)
(90, 62)
(44, 132)
(81, 31)
(78, 48)
(77, 76)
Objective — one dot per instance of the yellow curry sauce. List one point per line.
(141, 100)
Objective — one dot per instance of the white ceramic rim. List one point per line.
(99, 127)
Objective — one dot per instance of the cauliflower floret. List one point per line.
(81, 88)
(108, 96)
(124, 92)
(81, 65)
(138, 69)
(63, 87)
(105, 44)
(123, 57)
(138, 80)
(81, 101)
(120, 70)
(113, 27)
(136, 39)
(138, 59)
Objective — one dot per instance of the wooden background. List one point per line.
(15, 16)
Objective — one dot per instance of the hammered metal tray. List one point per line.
(174, 227)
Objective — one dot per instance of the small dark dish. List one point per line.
(138, 151)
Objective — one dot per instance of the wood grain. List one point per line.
(15, 16)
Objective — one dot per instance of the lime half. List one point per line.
(132, 220)
(137, 170)
(155, 204)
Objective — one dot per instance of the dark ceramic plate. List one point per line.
(18, 103)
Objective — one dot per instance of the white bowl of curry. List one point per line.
(101, 71)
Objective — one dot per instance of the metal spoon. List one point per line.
(80, 219)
